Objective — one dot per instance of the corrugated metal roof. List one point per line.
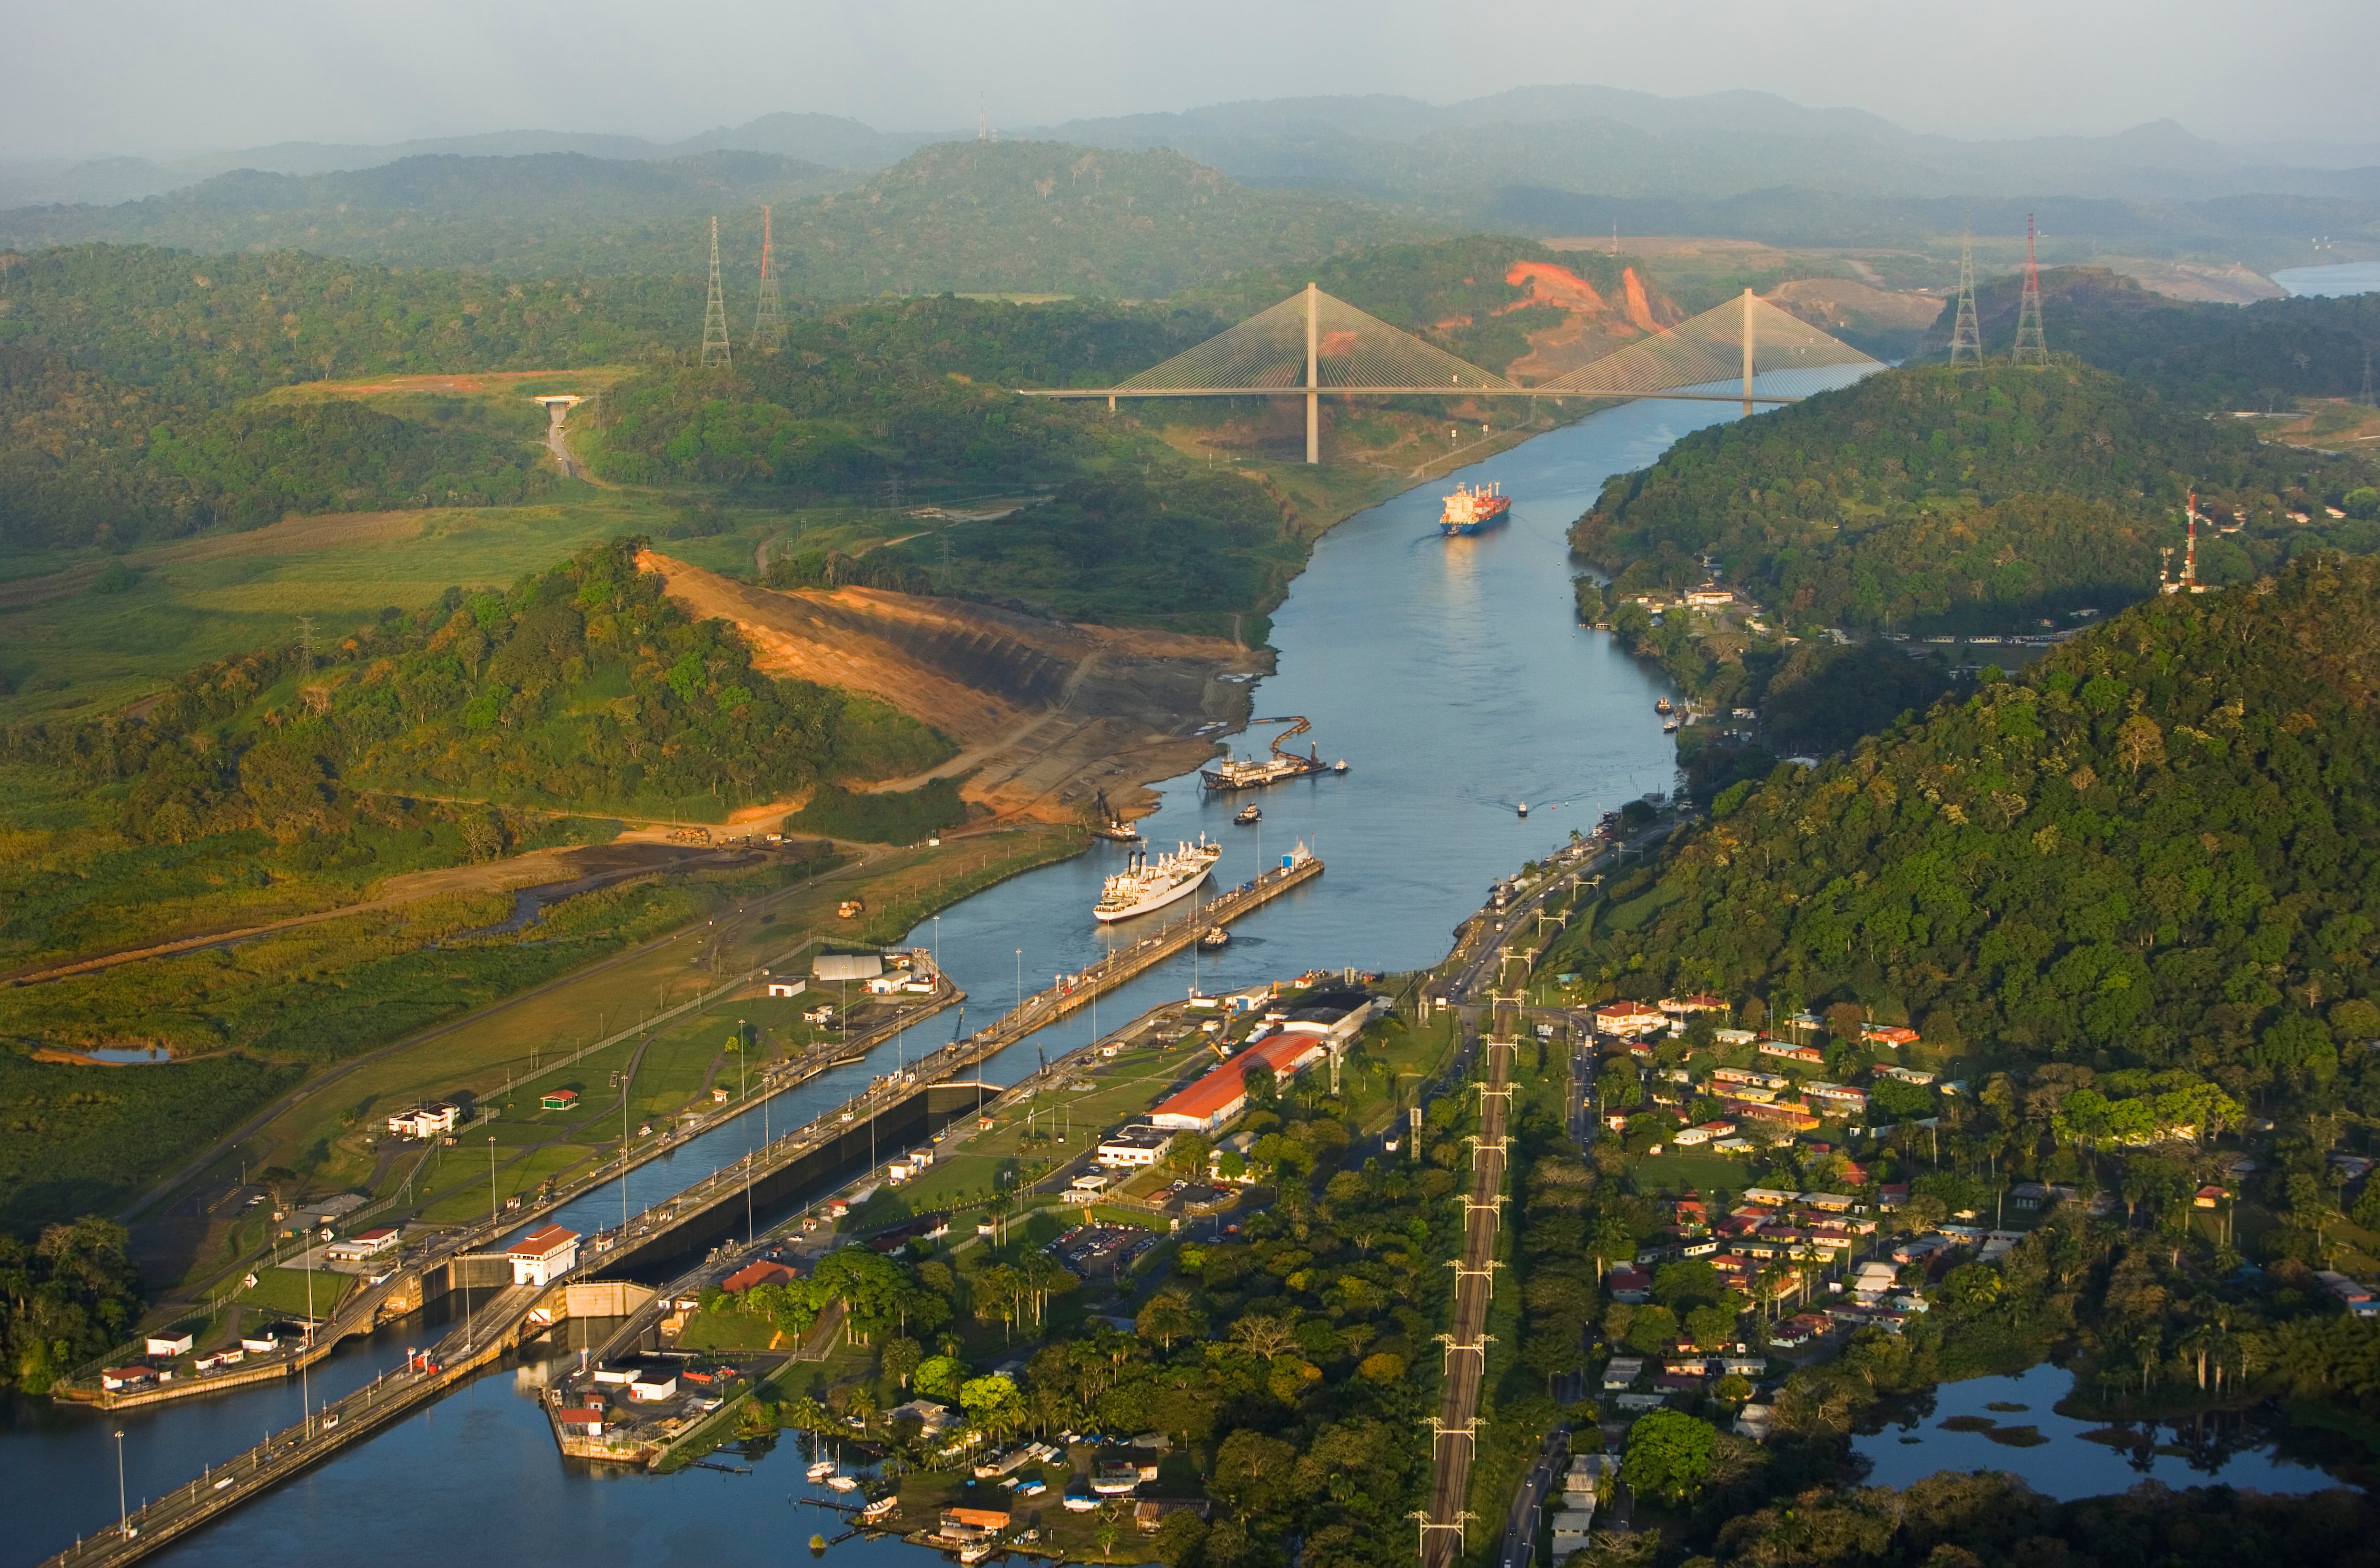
(847, 966)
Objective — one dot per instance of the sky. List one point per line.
(164, 78)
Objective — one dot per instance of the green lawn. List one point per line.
(284, 1290)
(1674, 1173)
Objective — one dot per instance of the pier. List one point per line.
(895, 1109)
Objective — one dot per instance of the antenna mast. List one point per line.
(2031, 347)
(1964, 331)
(769, 322)
(714, 312)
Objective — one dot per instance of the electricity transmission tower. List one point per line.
(2031, 347)
(769, 322)
(714, 311)
(1964, 332)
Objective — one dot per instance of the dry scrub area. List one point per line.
(1045, 713)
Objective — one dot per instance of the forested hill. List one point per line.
(552, 212)
(2160, 849)
(2198, 356)
(991, 217)
(210, 329)
(1959, 495)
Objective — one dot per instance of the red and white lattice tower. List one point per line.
(2031, 347)
(769, 322)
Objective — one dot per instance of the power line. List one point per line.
(714, 311)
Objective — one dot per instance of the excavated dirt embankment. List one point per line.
(1045, 714)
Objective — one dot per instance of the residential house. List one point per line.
(763, 1271)
(1622, 1372)
(1887, 1034)
(1809, 1056)
(1687, 1007)
(1627, 1017)
(1630, 1285)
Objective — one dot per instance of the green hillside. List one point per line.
(1893, 500)
(2216, 357)
(984, 217)
(2154, 850)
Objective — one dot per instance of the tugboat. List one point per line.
(1215, 936)
(1111, 825)
(1468, 510)
(1661, 705)
(1248, 816)
(1524, 808)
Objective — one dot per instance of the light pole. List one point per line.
(1020, 980)
(492, 1186)
(123, 1514)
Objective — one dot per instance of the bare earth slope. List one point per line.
(1046, 712)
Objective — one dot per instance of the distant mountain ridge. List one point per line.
(1398, 147)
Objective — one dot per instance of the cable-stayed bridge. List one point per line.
(1313, 343)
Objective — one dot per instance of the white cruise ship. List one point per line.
(1149, 885)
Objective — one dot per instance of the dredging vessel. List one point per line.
(1470, 508)
(1146, 886)
(1256, 772)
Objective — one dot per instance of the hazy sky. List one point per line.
(164, 76)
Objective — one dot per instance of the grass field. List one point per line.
(284, 1290)
(194, 600)
(1675, 1172)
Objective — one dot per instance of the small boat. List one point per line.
(1669, 727)
(1524, 808)
(1215, 936)
(1248, 814)
(844, 1483)
(822, 1469)
(1338, 766)
(975, 1551)
(883, 1507)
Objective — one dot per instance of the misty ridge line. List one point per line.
(1383, 145)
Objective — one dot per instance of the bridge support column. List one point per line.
(1747, 354)
(1313, 399)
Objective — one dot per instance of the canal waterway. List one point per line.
(2344, 277)
(1453, 678)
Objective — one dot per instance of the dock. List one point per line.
(842, 1140)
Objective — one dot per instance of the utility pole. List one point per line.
(769, 322)
(2031, 347)
(1964, 331)
(1313, 359)
(714, 312)
(306, 637)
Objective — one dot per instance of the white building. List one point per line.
(363, 1244)
(1136, 1145)
(169, 1345)
(543, 1255)
(425, 1121)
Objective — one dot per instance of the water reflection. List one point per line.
(2011, 1424)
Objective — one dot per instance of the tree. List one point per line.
(1251, 1471)
(1179, 1535)
(901, 1358)
(1187, 1154)
(940, 1377)
(1264, 1335)
(992, 1402)
(1669, 1456)
(1169, 1314)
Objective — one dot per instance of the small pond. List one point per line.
(128, 1055)
(2009, 1423)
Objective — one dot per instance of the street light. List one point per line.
(123, 1514)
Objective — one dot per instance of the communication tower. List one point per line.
(769, 322)
(2031, 347)
(714, 312)
(1965, 334)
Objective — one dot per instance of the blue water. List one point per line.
(2066, 1466)
(2347, 277)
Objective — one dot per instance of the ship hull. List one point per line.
(1153, 902)
(1496, 515)
(1221, 784)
